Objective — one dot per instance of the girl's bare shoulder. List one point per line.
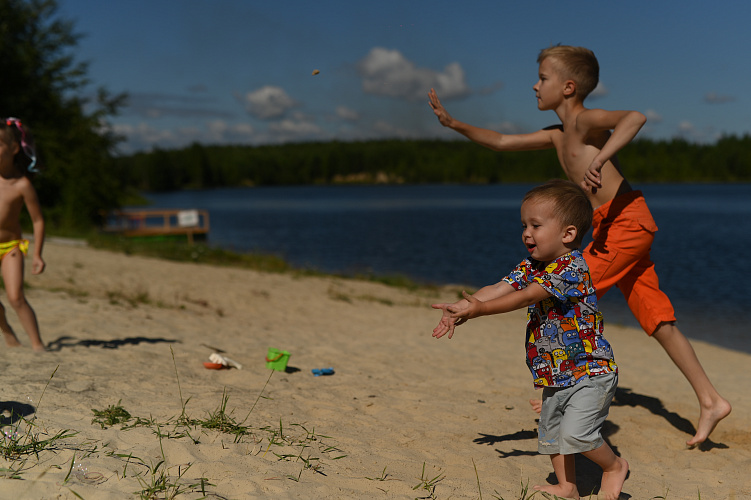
(15, 185)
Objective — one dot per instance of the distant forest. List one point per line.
(415, 162)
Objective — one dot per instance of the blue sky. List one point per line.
(241, 71)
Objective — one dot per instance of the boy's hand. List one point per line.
(472, 310)
(438, 109)
(37, 265)
(456, 314)
(593, 177)
(448, 322)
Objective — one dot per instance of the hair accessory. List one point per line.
(27, 148)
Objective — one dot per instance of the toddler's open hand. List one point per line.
(448, 321)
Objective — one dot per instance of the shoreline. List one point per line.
(400, 408)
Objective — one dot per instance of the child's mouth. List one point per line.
(531, 247)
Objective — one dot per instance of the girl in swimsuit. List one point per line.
(17, 160)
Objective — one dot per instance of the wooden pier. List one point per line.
(159, 222)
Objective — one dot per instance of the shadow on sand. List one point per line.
(589, 474)
(63, 342)
(13, 411)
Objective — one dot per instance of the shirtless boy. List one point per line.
(586, 142)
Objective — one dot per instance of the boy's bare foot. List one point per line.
(11, 340)
(39, 347)
(536, 405)
(612, 481)
(708, 419)
(560, 491)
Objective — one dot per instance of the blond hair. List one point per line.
(571, 206)
(574, 63)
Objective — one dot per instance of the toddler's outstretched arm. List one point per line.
(449, 320)
(508, 302)
(491, 299)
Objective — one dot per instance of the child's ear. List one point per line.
(569, 88)
(569, 234)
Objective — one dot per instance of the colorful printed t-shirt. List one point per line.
(564, 331)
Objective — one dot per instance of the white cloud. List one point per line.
(268, 102)
(143, 136)
(688, 131)
(388, 73)
(347, 114)
(599, 91)
(686, 127)
(653, 116)
(222, 132)
(490, 89)
(384, 129)
(714, 98)
(154, 105)
(143, 132)
(293, 128)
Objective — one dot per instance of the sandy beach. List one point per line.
(403, 416)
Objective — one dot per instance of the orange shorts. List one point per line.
(623, 231)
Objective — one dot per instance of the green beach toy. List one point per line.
(277, 360)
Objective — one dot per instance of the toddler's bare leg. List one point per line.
(565, 472)
(614, 471)
(713, 407)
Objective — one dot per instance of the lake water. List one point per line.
(471, 235)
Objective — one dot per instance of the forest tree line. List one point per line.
(416, 161)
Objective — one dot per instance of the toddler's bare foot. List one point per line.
(11, 340)
(612, 481)
(708, 419)
(560, 491)
(536, 405)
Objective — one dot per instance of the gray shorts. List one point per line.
(571, 417)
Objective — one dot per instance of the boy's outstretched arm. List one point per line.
(518, 299)
(542, 139)
(449, 322)
(624, 124)
(483, 305)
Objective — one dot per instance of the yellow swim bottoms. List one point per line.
(8, 246)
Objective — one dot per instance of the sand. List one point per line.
(402, 411)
